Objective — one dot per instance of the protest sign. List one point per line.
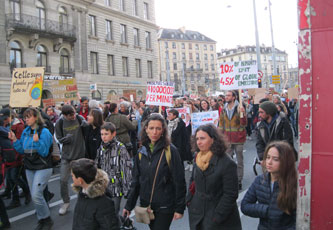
(293, 93)
(27, 86)
(182, 112)
(160, 93)
(238, 75)
(128, 92)
(48, 102)
(251, 92)
(62, 90)
(260, 93)
(204, 118)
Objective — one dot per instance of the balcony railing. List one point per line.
(14, 65)
(66, 71)
(32, 24)
(47, 68)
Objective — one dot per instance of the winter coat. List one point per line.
(36, 153)
(170, 187)
(113, 158)
(94, 209)
(17, 127)
(123, 125)
(8, 155)
(260, 202)
(213, 205)
(234, 129)
(93, 141)
(279, 131)
(181, 140)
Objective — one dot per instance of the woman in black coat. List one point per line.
(93, 133)
(213, 188)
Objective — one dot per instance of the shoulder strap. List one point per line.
(158, 166)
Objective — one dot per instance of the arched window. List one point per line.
(64, 61)
(112, 92)
(41, 56)
(63, 18)
(15, 56)
(40, 14)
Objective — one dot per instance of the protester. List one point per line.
(114, 159)
(69, 133)
(35, 144)
(272, 196)
(52, 114)
(94, 207)
(83, 109)
(204, 106)
(168, 201)
(213, 191)
(233, 126)
(213, 104)
(93, 133)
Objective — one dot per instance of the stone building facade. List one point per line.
(109, 43)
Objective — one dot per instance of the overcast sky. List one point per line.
(231, 22)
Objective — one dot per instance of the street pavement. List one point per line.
(23, 217)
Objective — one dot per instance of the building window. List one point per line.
(212, 57)
(122, 5)
(205, 47)
(206, 66)
(92, 25)
(135, 7)
(15, 56)
(136, 37)
(16, 9)
(64, 61)
(138, 68)
(107, 2)
(123, 33)
(174, 66)
(94, 62)
(196, 46)
(41, 56)
(211, 48)
(197, 56)
(240, 58)
(173, 45)
(111, 70)
(213, 67)
(190, 46)
(183, 56)
(146, 11)
(231, 59)
(148, 40)
(166, 45)
(198, 66)
(63, 18)
(40, 14)
(183, 45)
(206, 57)
(150, 69)
(108, 30)
(125, 66)
(192, 77)
(190, 56)
(174, 55)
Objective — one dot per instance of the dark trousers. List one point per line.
(15, 180)
(3, 212)
(162, 221)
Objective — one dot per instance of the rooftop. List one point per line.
(183, 35)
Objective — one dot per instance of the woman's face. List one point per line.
(204, 105)
(90, 119)
(141, 111)
(49, 112)
(272, 161)
(212, 102)
(275, 100)
(30, 120)
(204, 141)
(154, 130)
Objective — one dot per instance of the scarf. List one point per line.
(202, 160)
(172, 125)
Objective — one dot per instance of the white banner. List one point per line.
(238, 75)
(204, 118)
(160, 93)
(182, 112)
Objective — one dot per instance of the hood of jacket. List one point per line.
(4, 132)
(97, 187)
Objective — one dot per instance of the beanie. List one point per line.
(269, 108)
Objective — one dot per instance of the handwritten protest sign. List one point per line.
(48, 102)
(128, 92)
(62, 90)
(27, 86)
(238, 75)
(182, 112)
(260, 93)
(204, 118)
(160, 93)
(293, 93)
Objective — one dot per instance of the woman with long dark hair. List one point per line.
(204, 106)
(168, 199)
(93, 131)
(213, 190)
(272, 196)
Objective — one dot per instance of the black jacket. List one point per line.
(93, 141)
(170, 187)
(260, 202)
(213, 205)
(94, 209)
(279, 131)
(181, 140)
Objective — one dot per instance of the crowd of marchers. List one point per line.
(128, 150)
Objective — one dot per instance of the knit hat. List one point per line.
(269, 107)
(5, 112)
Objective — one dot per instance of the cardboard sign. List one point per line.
(160, 93)
(27, 86)
(204, 118)
(260, 93)
(238, 75)
(62, 90)
(93, 87)
(182, 112)
(128, 92)
(293, 93)
(48, 102)
(251, 92)
(112, 98)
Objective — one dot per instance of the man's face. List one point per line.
(229, 97)
(85, 104)
(171, 116)
(70, 117)
(263, 115)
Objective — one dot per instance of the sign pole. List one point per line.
(240, 102)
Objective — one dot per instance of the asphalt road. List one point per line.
(23, 218)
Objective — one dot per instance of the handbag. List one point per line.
(146, 214)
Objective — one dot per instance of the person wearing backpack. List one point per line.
(69, 133)
(35, 144)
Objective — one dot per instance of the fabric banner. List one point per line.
(238, 75)
(27, 86)
(204, 118)
(160, 93)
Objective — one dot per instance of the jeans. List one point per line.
(14, 178)
(38, 180)
(238, 150)
(65, 173)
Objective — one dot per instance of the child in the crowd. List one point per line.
(272, 196)
(94, 208)
(113, 158)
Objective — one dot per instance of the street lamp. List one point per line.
(257, 36)
(273, 47)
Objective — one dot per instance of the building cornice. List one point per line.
(192, 41)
